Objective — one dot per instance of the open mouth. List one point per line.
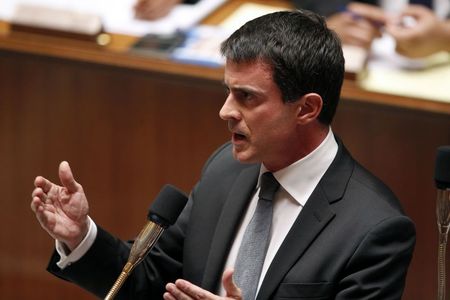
(238, 137)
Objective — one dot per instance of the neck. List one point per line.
(305, 142)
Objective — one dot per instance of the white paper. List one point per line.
(118, 15)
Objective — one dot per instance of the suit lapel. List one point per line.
(314, 217)
(233, 210)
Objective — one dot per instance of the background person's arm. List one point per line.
(359, 24)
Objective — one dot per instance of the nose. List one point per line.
(229, 110)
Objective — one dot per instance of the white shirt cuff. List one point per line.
(78, 252)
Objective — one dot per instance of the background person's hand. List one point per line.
(153, 9)
(61, 210)
(358, 25)
(426, 35)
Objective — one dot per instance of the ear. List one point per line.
(310, 106)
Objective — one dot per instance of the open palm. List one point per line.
(62, 210)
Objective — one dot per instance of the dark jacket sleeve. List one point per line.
(377, 269)
(98, 269)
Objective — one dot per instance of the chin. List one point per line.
(244, 157)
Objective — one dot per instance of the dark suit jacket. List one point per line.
(350, 241)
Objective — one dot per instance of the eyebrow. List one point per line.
(244, 88)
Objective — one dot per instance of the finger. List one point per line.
(365, 37)
(66, 177)
(140, 4)
(352, 39)
(146, 10)
(192, 290)
(151, 14)
(42, 214)
(168, 296)
(174, 292)
(416, 11)
(401, 34)
(39, 196)
(43, 183)
(41, 217)
(231, 289)
(367, 11)
(155, 9)
(36, 204)
(39, 193)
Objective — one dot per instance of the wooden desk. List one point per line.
(128, 124)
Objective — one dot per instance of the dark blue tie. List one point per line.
(426, 3)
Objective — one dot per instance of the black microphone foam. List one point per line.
(442, 169)
(167, 206)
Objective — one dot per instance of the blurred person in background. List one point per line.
(426, 30)
(419, 29)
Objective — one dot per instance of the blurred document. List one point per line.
(202, 44)
(432, 83)
(118, 16)
(391, 73)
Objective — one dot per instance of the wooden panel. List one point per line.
(125, 133)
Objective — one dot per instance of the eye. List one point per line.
(243, 95)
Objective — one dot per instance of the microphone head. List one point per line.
(167, 206)
(442, 170)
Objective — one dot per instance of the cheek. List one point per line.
(271, 132)
(279, 122)
(271, 122)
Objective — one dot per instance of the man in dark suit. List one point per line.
(337, 231)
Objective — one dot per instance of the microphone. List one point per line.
(163, 212)
(442, 180)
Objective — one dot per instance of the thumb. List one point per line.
(66, 177)
(231, 289)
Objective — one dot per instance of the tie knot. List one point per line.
(269, 186)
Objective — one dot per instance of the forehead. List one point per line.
(251, 72)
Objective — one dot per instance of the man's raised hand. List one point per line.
(62, 210)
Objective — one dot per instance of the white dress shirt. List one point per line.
(66, 259)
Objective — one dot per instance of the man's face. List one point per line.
(263, 127)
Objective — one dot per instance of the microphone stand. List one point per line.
(164, 212)
(141, 246)
(443, 217)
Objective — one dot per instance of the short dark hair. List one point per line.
(304, 54)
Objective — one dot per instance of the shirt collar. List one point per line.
(300, 178)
